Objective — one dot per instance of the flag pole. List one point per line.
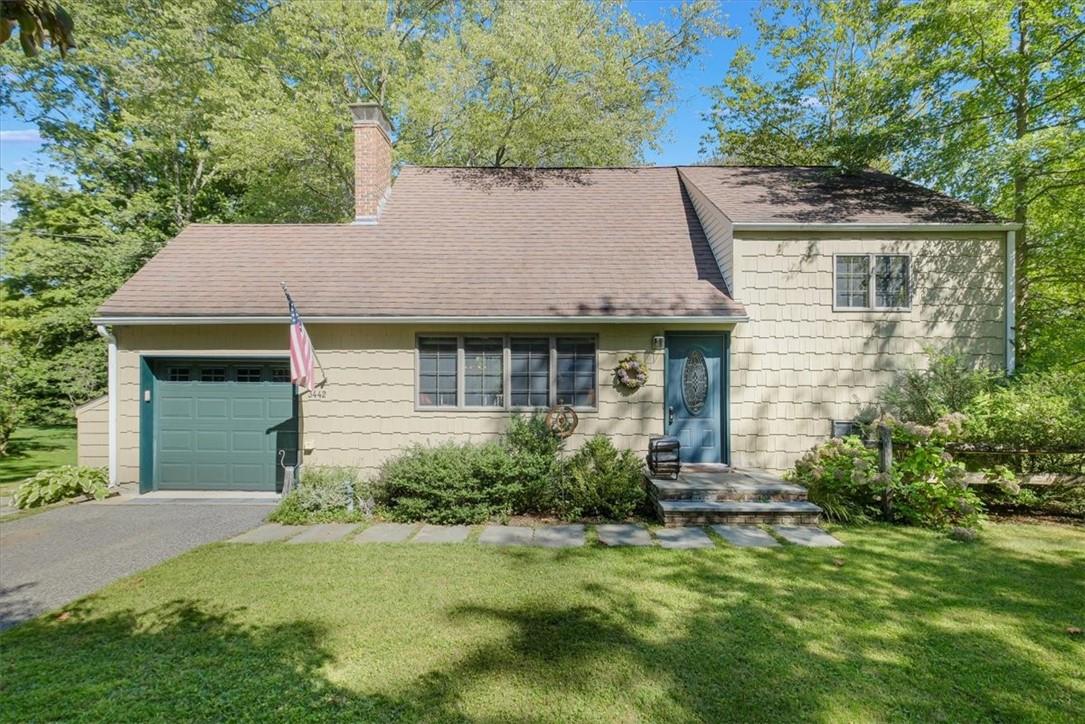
(316, 357)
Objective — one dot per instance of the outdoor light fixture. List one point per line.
(659, 343)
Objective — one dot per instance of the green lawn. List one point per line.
(32, 449)
(901, 624)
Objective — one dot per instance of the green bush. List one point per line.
(600, 481)
(325, 494)
(842, 477)
(947, 385)
(534, 449)
(450, 483)
(69, 481)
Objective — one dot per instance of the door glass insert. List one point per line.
(695, 382)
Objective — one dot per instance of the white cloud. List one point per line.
(27, 135)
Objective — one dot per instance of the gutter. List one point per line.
(333, 319)
(1011, 301)
(845, 226)
(112, 394)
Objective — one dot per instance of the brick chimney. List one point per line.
(372, 161)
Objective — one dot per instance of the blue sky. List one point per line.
(20, 148)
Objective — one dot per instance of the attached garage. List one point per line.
(216, 424)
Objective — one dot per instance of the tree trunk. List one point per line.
(1020, 185)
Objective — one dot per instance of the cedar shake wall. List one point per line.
(92, 432)
(797, 364)
(369, 413)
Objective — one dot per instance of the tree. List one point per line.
(36, 20)
(984, 100)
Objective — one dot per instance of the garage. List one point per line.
(217, 424)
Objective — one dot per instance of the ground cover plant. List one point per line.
(326, 494)
(902, 624)
(64, 483)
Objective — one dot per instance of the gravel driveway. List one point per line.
(54, 557)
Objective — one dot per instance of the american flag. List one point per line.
(302, 359)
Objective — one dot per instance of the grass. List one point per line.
(33, 449)
(901, 624)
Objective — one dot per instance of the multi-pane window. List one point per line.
(529, 375)
(853, 281)
(437, 371)
(872, 281)
(576, 372)
(213, 374)
(507, 371)
(483, 371)
(178, 374)
(249, 374)
(891, 281)
(280, 374)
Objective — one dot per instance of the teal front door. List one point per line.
(221, 424)
(696, 395)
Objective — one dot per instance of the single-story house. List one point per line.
(767, 303)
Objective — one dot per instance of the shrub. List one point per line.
(947, 385)
(842, 477)
(450, 483)
(322, 495)
(534, 449)
(600, 481)
(70, 481)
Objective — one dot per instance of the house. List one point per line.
(767, 303)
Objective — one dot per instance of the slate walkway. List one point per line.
(571, 535)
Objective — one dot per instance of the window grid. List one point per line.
(280, 374)
(532, 387)
(872, 282)
(213, 374)
(249, 374)
(179, 374)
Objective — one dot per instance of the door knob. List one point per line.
(670, 415)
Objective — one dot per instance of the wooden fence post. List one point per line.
(885, 466)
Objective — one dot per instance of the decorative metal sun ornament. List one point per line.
(561, 420)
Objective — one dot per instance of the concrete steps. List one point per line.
(731, 496)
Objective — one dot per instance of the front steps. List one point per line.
(740, 497)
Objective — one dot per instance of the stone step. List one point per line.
(702, 487)
(701, 512)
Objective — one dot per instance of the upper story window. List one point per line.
(506, 372)
(872, 281)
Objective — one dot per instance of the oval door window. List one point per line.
(695, 382)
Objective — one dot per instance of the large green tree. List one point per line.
(983, 99)
(232, 110)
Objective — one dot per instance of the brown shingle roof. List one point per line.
(456, 243)
(807, 194)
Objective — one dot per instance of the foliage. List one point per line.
(36, 20)
(601, 481)
(449, 483)
(326, 494)
(11, 396)
(534, 449)
(842, 477)
(980, 100)
(946, 385)
(51, 486)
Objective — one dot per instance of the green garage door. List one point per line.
(220, 424)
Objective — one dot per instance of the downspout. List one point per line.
(112, 394)
(1011, 302)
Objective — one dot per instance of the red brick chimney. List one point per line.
(372, 161)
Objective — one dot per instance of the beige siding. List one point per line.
(797, 364)
(369, 411)
(718, 231)
(92, 431)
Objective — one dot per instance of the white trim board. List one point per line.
(846, 226)
(284, 319)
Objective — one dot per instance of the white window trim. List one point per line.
(871, 293)
(506, 372)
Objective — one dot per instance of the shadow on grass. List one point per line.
(31, 450)
(903, 627)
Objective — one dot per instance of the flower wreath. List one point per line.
(631, 373)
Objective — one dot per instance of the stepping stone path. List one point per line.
(560, 536)
(506, 535)
(442, 534)
(324, 533)
(268, 533)
(571, 535)
(386, 533)
(623, 535)
(684, 537)
(745, 536)
(804, 535)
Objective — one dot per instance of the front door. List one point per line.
(695, 395)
